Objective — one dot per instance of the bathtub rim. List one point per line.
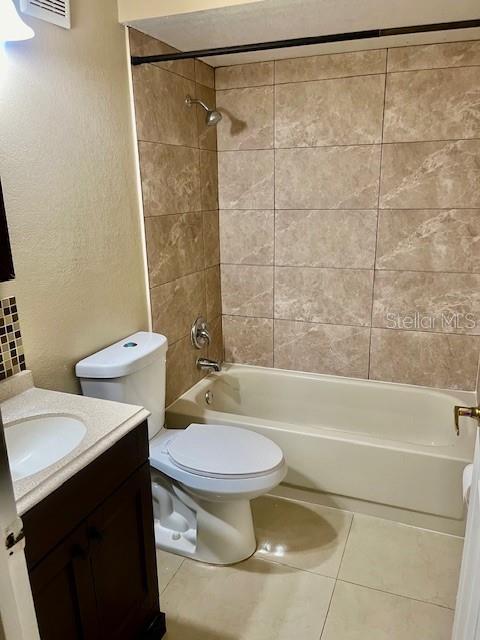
(466, 444)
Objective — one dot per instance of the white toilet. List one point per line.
(204, 476)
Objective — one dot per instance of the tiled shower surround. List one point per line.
(349, 191)
(178, 164)
(12, 358)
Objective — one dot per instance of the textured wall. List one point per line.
(178, 163)
(68, 175)
(350, 213)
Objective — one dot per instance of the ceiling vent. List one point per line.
(54, 11)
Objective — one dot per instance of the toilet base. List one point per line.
(213, 531)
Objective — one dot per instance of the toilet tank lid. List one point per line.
(124, 357)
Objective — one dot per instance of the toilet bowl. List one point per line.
(204, 476)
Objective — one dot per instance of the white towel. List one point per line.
(467, 482)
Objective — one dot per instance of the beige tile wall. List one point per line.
(178, 164)
(349, 189)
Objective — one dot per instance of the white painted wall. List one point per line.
(144, 9)
(68, 173)
(201, 24)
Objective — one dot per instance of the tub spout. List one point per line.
(205, 364)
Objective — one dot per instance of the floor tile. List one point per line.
(167, 566)
(253, 600)
(358, 613)
(301, 535)
(402, 560)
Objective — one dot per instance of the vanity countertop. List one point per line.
(106, 422)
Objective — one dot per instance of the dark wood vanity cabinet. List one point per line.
(91, 551)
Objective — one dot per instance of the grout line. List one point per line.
(346, 543)
(462, 66)
(294, 82)
(178, 146)
(328, 609)
(351, 268)
(362, 327)
(378, 218)
(343, 145)
(162, 590)
(320, 209)
(160, 65)
(396, 595)
(274, 97)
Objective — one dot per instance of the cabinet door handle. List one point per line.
(94, 534)
(77, 552)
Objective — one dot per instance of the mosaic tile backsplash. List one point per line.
(12, 358)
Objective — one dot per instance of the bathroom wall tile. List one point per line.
(207, 136)
(330, 112)
(174, 246)
(174, 191)
(247, 121)
(215, 348)
(244, 75)
(300, 535)
(211, 238)
(430, 175)
(246, 179)
(247, 290)
(445, 361)
(213, 292)
(333, 296)
(176, 305)
(327, 178)
(246, 237)
(182, 372)
(253, 600)
(440, 302)
(477, 386)
(403, 560)
(357, 613)
(143, 45)
(322, 348)
(431, 56)
(12, 356)
(248, 340)
(160, 109)
(429, 240)
(204, 74)
(342, 239)
(438, 104)
(337, 65)
(208, 180)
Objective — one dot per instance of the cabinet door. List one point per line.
(63, 592)
(122, 554)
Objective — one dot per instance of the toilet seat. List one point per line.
(223, 484)
(218, 451)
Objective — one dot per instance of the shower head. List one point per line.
(213, 116)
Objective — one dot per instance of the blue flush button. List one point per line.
(130, 344)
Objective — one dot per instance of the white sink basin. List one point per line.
(35, 443)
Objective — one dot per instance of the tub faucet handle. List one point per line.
(468, 412)
(200, 334)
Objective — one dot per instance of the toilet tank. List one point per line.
(132, 371)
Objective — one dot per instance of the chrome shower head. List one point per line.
(213, 116)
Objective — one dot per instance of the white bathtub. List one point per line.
(381, 448)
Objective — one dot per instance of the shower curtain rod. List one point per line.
(301, 42)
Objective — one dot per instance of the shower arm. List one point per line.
(189, 101)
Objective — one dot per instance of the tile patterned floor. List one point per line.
(318, 574)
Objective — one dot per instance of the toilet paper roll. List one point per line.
(467, 482)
